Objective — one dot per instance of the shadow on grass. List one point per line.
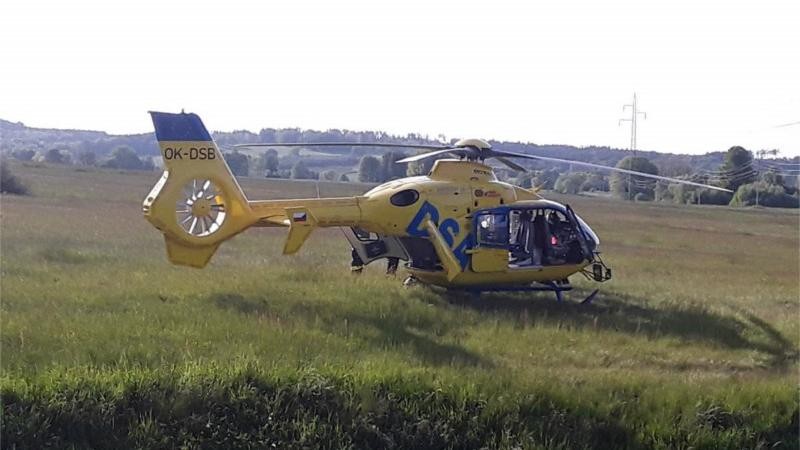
(388, 331)
(630, 315)
(238, 303)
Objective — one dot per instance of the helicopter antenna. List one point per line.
(634, 122)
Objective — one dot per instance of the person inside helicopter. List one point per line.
(541, 237)
(525, 236)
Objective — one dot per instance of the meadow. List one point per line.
(693, 344)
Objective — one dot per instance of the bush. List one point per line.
(771, 195)
(524, 180)
(642, 197)
(23, 155)
(266, 164)
(125, 158)
(595, 183)
(9, 183)
(87, 158)
(328, 175)
(712, 197)
(301, 172)
(56, 156)
(369, 170)
(662, 192)
(570, 183)
(545, 179)
(239, 163)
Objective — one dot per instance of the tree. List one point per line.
(626, 186)
(681, 193)
(87, 158)
(524, 180)
(674, 168)
(392, 170)
(125, 158)
(705, 196)
(662, 192)
(147, 163)
(594, 183)
(239, 163)
(56, 156)
(768, 195)
(737, 168)
(266, 164)
(772, 177)
(421, 167)
(328, 175)
(545, 179)
(301, 172)
(23, 155)
(570, 183)
(271, 162)
(369, 169)
(343, 177)
(691, 195)
(9, 183)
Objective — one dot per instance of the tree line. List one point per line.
(752, 182)
(735, 169)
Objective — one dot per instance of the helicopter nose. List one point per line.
(593, 235)
(588, 231)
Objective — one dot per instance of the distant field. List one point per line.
(694, 343)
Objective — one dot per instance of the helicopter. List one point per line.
(458, 227)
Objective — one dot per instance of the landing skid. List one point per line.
(556, 287)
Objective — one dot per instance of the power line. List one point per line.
(776, 163)
(749, 167)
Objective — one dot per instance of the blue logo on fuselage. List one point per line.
(449, 229)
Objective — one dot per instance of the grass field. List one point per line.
(694, 343)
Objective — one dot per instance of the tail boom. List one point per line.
(197, 204)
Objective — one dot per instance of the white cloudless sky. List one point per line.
(709, 74)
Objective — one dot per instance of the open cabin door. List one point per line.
(491, 231)
(371, 246)
(580, 234)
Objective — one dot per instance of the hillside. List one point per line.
(18, 136)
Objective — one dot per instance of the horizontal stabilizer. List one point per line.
(302, 223)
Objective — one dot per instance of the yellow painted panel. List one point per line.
(490, 260)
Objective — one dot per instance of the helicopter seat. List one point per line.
(528, 252)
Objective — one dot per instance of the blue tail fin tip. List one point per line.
(179, 127)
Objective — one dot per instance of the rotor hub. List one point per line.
(201, 207)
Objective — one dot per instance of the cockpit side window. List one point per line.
(404, 198)
(493, 229)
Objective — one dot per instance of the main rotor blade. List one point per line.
(426, 155)
(615, 169)
(511, 164)
(345, 144)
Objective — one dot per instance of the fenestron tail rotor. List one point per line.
(201, 211)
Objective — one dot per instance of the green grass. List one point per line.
(104, 343)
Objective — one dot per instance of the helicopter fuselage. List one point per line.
(442, 207)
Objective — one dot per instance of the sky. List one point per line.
(709, 75)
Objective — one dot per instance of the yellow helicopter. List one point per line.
(457, 227)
